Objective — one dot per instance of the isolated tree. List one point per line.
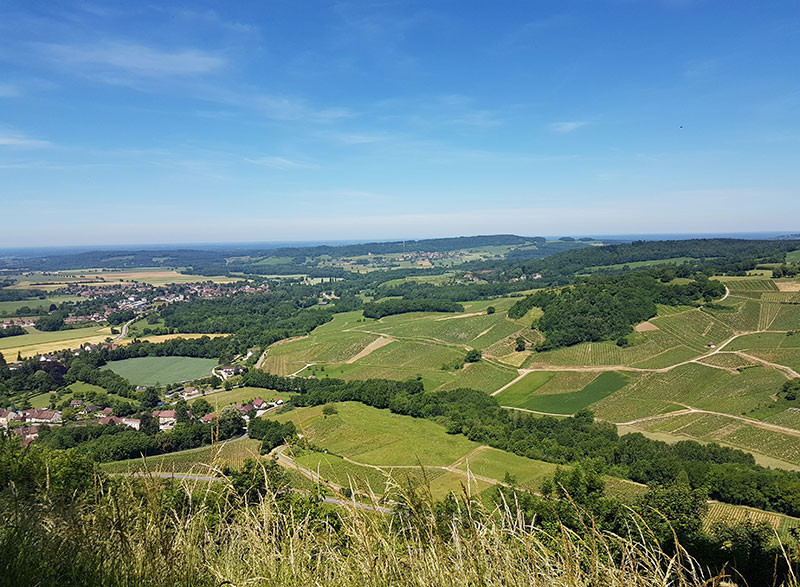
(231, 422)
(521, 344)
(329, 410)
(490, 310)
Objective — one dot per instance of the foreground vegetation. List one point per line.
(253, 527)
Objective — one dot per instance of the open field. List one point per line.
(378, 437)
(163, 370)
(10, 308)
(494, 463)
(408, 345)
(566, 403)
(151, 275)
(793, 257)
(38, 342)
(199, 461)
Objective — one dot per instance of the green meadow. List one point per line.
(162, 370)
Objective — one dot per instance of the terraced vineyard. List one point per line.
(726, 513)
(686, 358)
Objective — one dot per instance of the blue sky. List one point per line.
(290, 120)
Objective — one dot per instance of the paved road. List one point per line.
(124, 332)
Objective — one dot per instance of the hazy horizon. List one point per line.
(33, 251)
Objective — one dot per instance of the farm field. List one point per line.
(680, 355)
(163, 370)
(151, 275)
(199, 461)
(398, 347)
(378, 437)
(10, 308)
(37, 342)
(565, 403)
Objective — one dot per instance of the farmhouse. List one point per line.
(166, 419)
(231, 371)
(41, 416)
(208, 418)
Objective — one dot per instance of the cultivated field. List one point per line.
(204, 461)
(378, 437)
(38, 342)
(731, 359)
(562, 402)
(162, 370)
(10, 308)
(89, 277)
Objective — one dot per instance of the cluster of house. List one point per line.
(24, 322)
(96, 317)
(32, 416)
(32, 419)
(257, 407)
(167, 419)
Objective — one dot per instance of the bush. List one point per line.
(473, 356)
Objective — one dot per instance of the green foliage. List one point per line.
(120, 317)
(51, 323)
(607, 308)
(271, 433)
(473, 356)
(230, 423)
(394, 306)
(13, 330)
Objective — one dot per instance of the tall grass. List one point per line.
(145, 531)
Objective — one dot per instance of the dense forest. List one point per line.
(607, 308)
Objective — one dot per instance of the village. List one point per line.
(28, 423)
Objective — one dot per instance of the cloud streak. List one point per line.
(136, 59)
(567, 127)
(23, 142)
(280, 163)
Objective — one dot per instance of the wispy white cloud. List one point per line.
(276, 107)
(567, 127)
(13, 140)
(361, 139)
(280, 163)
(136, 59)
